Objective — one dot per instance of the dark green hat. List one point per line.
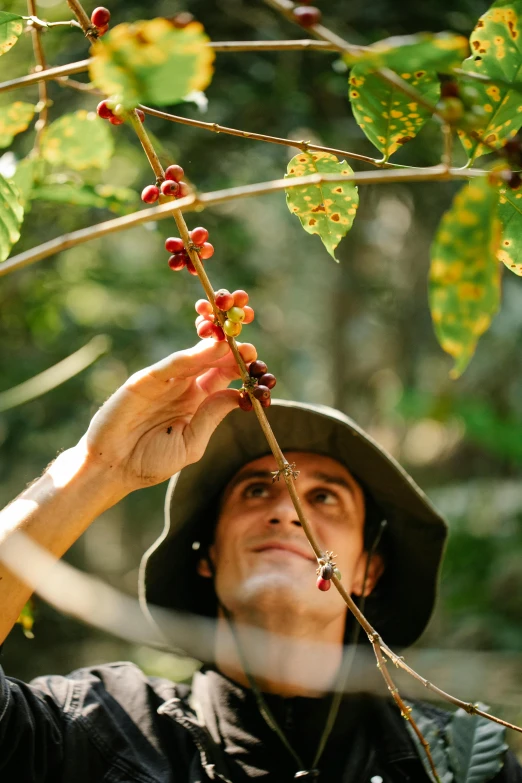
(400, 606)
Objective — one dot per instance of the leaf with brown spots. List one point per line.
(79, 141)
(11, 27)
(408, 53)
(510, 214)
(11, 216)
(327, 209)
(14, 119)
(465, 273)
(388, 117)
(496, 51)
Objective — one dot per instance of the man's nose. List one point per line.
(284, 513)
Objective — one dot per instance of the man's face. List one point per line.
(262, 559)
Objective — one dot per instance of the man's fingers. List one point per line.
(191, 361)
(209, 414)
(226, 370)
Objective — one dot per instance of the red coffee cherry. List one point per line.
(174, 245)
(100, 16)
(307, 17)
(224, 299)
(191, 268)
(141, 115)
(206, 250)
(240, 298)
(102, 30)
(150, 194)
(219, 334)
(199, 235)
(205, 330)
(169, 188)
(266, 402)
(184, 189)
(174, 172)
(199, 320)
(262, 393)
(244, 401)
(116, 120)
(257, 369)
(104, 111)
(249, 314)
(327, 571)
(203, 307)
(177, 262)
(323, 584)
(268, 380)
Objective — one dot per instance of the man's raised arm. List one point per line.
(159, 421)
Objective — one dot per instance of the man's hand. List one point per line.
(163, 416)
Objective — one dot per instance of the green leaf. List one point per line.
(387, 116)
(117, 199)
(432, 734)
(510, 214)
(11, 26)
(496, 51)
(14, 119)
(465, 273)
(327, 209)
(476, 747)
(409, 53)
(79, 141)
(152, 62)
(28, 171)
(11, 216)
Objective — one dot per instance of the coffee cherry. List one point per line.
(240, 298)
(203, 307)
(224, 299)
(323, 584)
(327, 571)
(236, 314)
(199, 320)
(205, 330)
(451, 109)
(337, 573)
(257, 369)
(449, 89)
(206, 250)
(100, 16)
(177, 262)
(169, 188)
(199, 236)
(102, 30)
(231, 328)
(513, 148)
(191, 268)
(150, 194)
(249, 314)
(174, 172)
(182, 19)
(244, 401)
(266, 402)
(103, 110)
(116, 120)
(307, 17)
(184, 189)
(141, 115)
(174, 245)
(268, 380)
(119, 110)
(515, 180)
(262, 393)
(218, 334)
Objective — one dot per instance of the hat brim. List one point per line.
(401, 606)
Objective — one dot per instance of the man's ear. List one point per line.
(375, 571)
(203, 567)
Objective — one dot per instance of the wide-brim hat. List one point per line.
(399, 607)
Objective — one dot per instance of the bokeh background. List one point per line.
(356, 335)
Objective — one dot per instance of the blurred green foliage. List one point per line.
(357, 335)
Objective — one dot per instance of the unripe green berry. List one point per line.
(236, 314)
(231, 328)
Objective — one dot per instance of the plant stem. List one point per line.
(51, 73)
(41, 65)
(38, 24)
(87, 26)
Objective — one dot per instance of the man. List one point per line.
(233, 549)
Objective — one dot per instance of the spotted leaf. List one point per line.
(11, 216)
(510, 214)
(388, 117)
(327, 209)
(78, 141)
(465, 273)
(14, 119)
(11, 26)
(152, 62)
(496, 51)
(409, 53)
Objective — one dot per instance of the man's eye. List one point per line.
(256, 491)
(324, 497)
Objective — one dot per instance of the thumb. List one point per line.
(205, 420)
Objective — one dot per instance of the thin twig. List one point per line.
(40, 24)
(51, 73)
(41, 65)
(90, 31)
(447, 135)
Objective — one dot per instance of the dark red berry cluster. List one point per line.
(172, 185)
(180, 257)
(260, 384)
(306, 15)
(115, 112)
(326, 571)
(100, 18)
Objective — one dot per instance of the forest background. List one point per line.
(357, 335)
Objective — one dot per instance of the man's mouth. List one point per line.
(285, 546)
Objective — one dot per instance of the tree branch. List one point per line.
(41, 65)
(51, 73)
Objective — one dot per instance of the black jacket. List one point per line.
(113, 724)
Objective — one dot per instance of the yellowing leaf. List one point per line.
(422, 51)
(11, 216)
(388, 117)
(14, 119)
(465, 273)
(510, 214)
(11, 26)
(79, 141)
(327, 209)
(152, 62)
(496, 51)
